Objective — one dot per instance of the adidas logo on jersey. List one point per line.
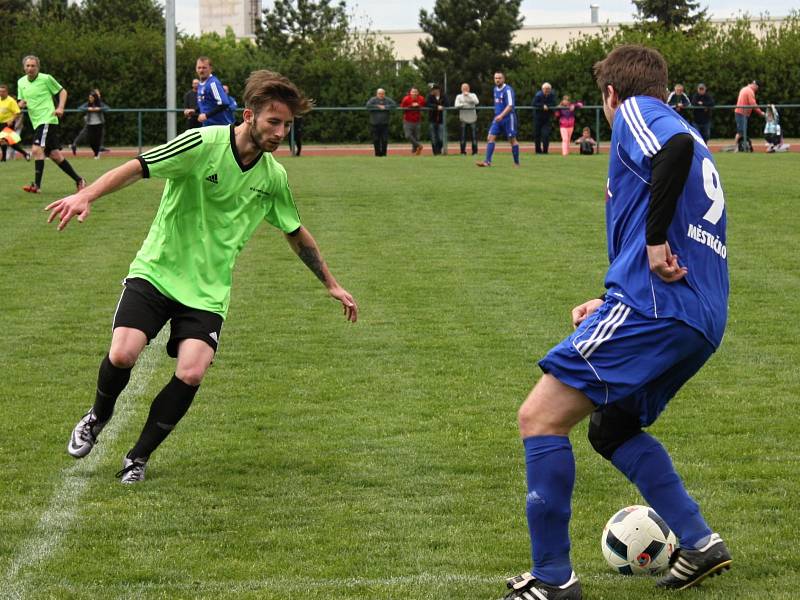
(212, 178)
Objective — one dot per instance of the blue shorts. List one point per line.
(619, 356)
(507, 126)
(741, 123)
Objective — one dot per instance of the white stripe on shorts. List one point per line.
(604, 330)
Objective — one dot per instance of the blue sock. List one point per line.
(515, 153)
(647, 464)
(489, 151)
(550, 466)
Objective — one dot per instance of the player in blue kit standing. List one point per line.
(505, 120)
(654, 328)
(213, 104)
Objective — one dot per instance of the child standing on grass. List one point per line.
(566, 121)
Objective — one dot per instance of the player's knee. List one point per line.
(122, 358)
(191, 375)
(610, 428)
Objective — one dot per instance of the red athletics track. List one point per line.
(405, 149)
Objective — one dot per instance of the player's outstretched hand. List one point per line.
(66, 208)
(582, 312)
(665, 264)
(348, 303)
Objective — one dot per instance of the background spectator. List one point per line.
(468, 117)
(10, 118)
(233, 105)
(190, 106)
(586, 142)
(411, 103)
(543, 101)
(678, 100)
(297, 132)
(436, 103)
(566, 121)
(702, 103)
(747, 98)
(212, 101)
(378, 107)
(83, 134)
(94, 120)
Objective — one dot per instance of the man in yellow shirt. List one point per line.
(10, 115)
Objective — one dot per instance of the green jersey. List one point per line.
(210, 207)
(39, 96)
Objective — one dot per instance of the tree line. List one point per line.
(118, 46)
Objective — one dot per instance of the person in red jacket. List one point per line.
(411, 118)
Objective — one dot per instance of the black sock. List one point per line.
(38, 169)
(67, 168)
(20, 149)
(111, 381)
(4, 148)
(167, 409)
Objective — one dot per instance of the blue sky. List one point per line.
(404, 14)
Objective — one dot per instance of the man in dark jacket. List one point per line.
(190, 106)
(378, 107)
(702, 102)
(543, 101)
(436, 103)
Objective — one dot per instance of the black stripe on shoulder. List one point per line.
(168, 147)
(145, 168)
(152, 161)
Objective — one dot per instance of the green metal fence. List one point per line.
(142, 127)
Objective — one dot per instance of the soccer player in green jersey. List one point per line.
(35, 92)
(222, 182)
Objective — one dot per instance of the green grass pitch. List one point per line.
(378, 460)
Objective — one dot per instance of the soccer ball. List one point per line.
(636, 540)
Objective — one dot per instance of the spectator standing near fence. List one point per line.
(702, 103)
(543, 102)
(678, 100)
(35, 92)
(566, 121)
(747, 98)
(213, 104)
(378, 107)
(94, 120)
(411, 103)
(436, 103)
(10, 116)
(466, 101)
(190, 106)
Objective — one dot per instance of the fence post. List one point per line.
(139, 127)
(597, 127)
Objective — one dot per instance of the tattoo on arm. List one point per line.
(310, 256)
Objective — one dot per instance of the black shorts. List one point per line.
(47, 137)
(141, 306)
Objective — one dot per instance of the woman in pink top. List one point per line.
(566, 121)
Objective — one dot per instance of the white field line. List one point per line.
(57, 520)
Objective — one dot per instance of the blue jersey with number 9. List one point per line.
(642, 125)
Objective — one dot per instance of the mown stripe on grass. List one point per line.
(64, 505)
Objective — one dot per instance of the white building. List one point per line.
(240, 15)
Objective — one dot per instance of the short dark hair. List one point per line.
(264, 87)
(4, 86)
(633, 70)
(204, 59)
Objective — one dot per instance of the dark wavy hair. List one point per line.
(633, 70)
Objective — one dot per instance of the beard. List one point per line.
(262, 141)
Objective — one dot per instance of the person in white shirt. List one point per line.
(468, 117)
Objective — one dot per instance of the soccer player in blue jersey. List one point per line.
(658, 322)
(505, 120)
(213, 104)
